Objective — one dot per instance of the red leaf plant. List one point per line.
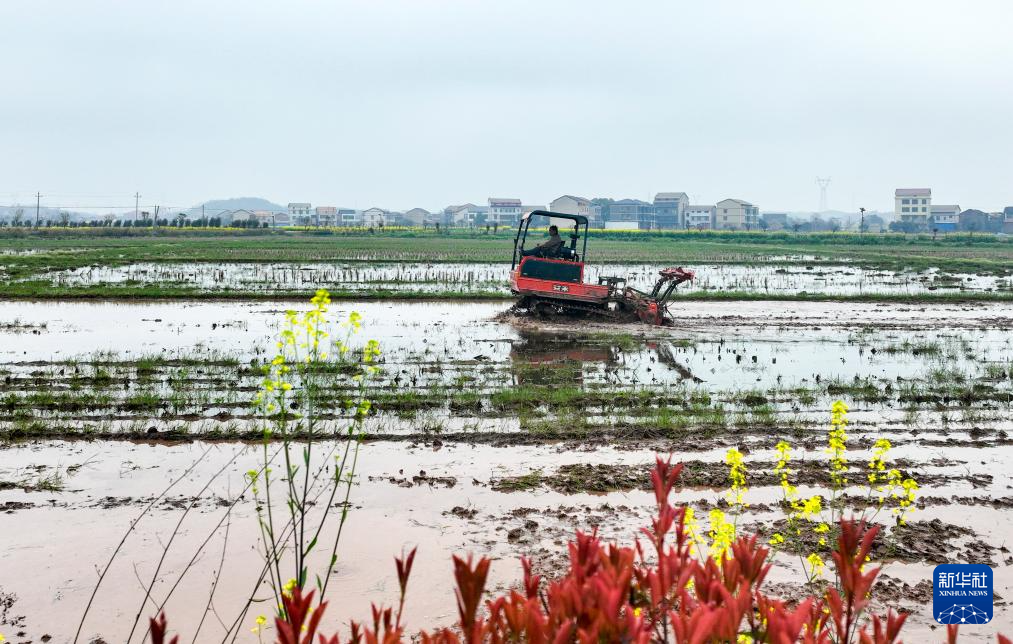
(657, 592)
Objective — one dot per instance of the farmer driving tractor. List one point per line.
(548, 248)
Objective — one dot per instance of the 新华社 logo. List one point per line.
(962, 594)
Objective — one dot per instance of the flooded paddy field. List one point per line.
(781, 276)
(486, 434)
(418, 264)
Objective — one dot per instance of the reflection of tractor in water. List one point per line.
(551, 282)
(538, 358)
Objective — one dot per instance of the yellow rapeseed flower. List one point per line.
(816, 564)
(737, 475)
(722, 534)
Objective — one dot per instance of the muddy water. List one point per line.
(772, 279)
(442, 495)
(53, 542)
(717, 344)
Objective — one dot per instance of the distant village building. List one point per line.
(1007, 220)
(417, 217)
(631, 214)
(912, 207)
(349, 217)
(325, 216)
(670, 209)
(300, 213)
(571, 205)
(700, 217)
(874, 224)
(736, 214)
(374, 217)
(477, 215)
(240, 217)
(504, 211)
(268, 217)
(775, 220)
(457, 215)
(976, 221)
(945, 219)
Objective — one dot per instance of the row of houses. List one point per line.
(670, 210)
(915, 212)
(497, 212)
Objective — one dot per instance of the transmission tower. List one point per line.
(823, 182)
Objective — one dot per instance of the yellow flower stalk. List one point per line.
(722, 534)
(837, 444)
(816, 565)
(737, 475)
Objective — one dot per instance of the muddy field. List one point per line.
(781, 275)
(487, 435)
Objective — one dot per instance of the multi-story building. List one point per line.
(478, 215)
(504, 211)
(631, 214)
(976, 221)
(944, 218)
(670, 209)
(912, 207)
(300, 213)
(374, 217)
(269, 217)
(700, 217)
(325, 215)
(1007, 220)
(736, 214)
(417, 217)
(349, 217)
(571, 205)
(457, 215)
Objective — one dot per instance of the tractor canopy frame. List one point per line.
(578, 231)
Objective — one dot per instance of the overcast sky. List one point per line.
(403, 103)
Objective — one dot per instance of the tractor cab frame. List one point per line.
(567, 252)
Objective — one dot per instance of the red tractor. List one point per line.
(550, 281)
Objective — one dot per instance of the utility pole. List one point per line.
(861, 226)
(137, 201)
(38, 201)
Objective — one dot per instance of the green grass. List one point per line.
(74, 249)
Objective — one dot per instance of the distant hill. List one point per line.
(215, 206)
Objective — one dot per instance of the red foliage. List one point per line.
(294, 628)
(620, 594)
(158, 627)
